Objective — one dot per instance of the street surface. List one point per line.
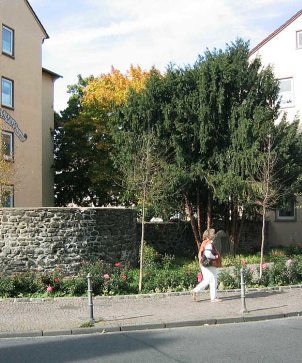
(266, 341)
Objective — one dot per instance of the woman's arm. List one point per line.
(200, 252)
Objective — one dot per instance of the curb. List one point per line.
(140, 327)
(147, 296)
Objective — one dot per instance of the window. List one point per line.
(7, 41)
(7, 92)
(7, 196)
(287, 212)
(7, 145)
(286, 92)
(299, 39)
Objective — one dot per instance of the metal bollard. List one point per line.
(242, 283)
(90, 302)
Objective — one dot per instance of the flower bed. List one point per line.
(162, 273)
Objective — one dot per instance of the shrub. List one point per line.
(26, 283)
(75, 286)
(297, 267)
(161, 273)
(6, 287)
(152, 258)
(118, 282)
(293, 250)
(230, 260)
(227, 280)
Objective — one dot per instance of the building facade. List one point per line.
(26, 109)
(283, 51)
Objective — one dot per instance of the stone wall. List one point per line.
(250, 241)
(44, 238)
(174, 238)
(177, 238)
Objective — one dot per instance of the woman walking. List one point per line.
(209, 259)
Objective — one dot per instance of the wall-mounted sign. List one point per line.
(13, 124)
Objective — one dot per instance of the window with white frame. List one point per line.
(7, 196)
(299, 39)
(7, 139)
(286, 92)
(7, 40)
(7, 92)
(287, 212)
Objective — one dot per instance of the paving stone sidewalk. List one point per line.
(56, 316)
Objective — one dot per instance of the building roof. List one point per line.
(37, 19)
(51, 73)
(277, 31)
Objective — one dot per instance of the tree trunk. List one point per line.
(240, 224)
(199, 215)
(233, 236)
(141, 258)
(194, 225)
(262, 241)
(226, 217)
(210, 210)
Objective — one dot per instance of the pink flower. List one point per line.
(106, 276)
(49, 289)
(264, 266)
(124, 277)
(199, 277)
(289, 262)
(56, 280)
(118, 264)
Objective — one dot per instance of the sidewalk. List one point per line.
(62, 316)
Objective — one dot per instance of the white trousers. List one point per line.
(209, 278)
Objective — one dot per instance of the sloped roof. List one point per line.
(51, 73)
(277, 31)
(37, 19)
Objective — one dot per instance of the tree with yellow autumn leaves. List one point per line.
(85, 172)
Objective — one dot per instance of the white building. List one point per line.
(282, 49)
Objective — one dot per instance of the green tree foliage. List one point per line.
(84, 170)
(212, 120)
(239, 107)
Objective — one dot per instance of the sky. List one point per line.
(88, 37)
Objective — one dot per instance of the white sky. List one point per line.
(89, 36)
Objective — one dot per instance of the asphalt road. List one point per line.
(266, 341)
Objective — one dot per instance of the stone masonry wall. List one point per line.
(173, 238)
(176, 238)
(45, 238)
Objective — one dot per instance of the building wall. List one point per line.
(285, 233)
(47, 140)
(282, 54)
(25, 69)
